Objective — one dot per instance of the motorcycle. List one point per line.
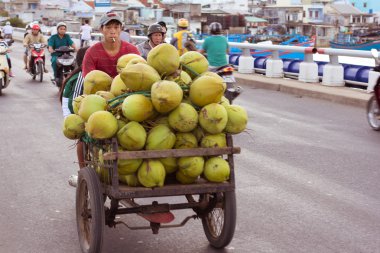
(37, 54)
(373, 105)
(9, 39)
(4, 68)
(226, 72)
(65, 64)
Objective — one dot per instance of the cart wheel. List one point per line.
(89, 211)
(219, 224)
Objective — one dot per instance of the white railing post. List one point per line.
(308, 70)
(274, 66)
(333, 73)
(246, 62)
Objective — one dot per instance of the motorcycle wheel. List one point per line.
(373, 113)
(1, 86)
(40, 71)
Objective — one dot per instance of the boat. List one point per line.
(349, 41)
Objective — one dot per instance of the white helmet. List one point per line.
(61, 24)
(7, 23)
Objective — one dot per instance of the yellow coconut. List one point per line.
(184, 118)
(183, 179)
(135, 61)
(214, 141)
(132, 136)
(123, 61)
(164, 58)
(224, 101)
(166, 96)
(118, 87)
(212, 74)
(96, 80)
(206, 90)
(73, 126)
(182, 78)
(213, 118)
(107, 95)
(151, 173)
(90, 104)
(139, 76)
(76, 103)
(170, 164)
(137, 108)
(185, 140)
(128, 166)
(216, 170)
(199, 133)
(194, 63)
(130, 180)
(160, 137)
(237, 119)
(191, 166)
(101, 125)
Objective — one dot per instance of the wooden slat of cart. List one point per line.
(145, 154)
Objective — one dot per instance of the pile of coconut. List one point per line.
(165, 102)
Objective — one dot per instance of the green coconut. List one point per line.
(184, 118)
(124, 60)
(151, 173)
(160, 137)
(107, 95)
(130, 180)
(135, 61)
(199, 133)
(191, 166)
(206, 90)
(183, 179)
(194, 63)
(237, 119)
(164, 120)
(96, 80)
(139, 77)
(118, 87)
(128, 166)
(76, 103)
(214, 141)
(73, 126)
(185, 140)
(137, 107)
(212, 74)
(166, 96)
(213, 118)
(216, 170)
(224, 101)
(182, 78)
(132, 136)
(164, 58)
(90, 104)
(170, 164)
(101, 125)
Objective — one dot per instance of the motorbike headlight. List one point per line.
(66, 62)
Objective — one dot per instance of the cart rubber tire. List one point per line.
(41, 71)
(90, 211)
(220, 235)
(373, 112)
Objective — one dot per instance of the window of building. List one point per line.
(310, 14)
(365, 5)
(316, 14)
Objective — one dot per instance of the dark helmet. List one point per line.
(155, 28)
(215, 28)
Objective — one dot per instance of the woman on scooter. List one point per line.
(8, 58)
(34, 37)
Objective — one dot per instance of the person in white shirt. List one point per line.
(7, 30)
(85, 32)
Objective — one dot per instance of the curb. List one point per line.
(341, 95)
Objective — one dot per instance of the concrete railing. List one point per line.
(333, 71)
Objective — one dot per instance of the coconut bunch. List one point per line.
(165, 102)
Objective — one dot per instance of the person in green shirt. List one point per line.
(58, 40)
(216, 47)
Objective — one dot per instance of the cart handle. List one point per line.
(145, 154)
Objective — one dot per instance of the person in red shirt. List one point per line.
(104, 54)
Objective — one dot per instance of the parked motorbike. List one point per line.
(4, 68)
(373, 105)
(226, 72)
(37, 54)
(65, 64)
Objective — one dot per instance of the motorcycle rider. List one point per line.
(34, 37)
(58, 40)
(183, 40)
(7, 56)
(7, 30)
(216, 47)
(155, 37)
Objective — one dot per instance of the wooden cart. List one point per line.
(213, 203)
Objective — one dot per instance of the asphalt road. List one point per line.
(307, 179)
